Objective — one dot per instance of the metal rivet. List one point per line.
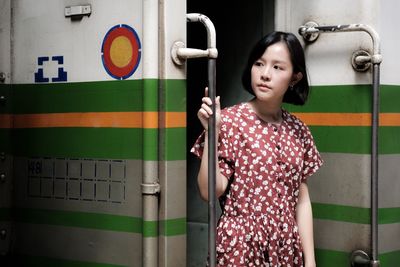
(3, 178)
(2, 77)
(2, 156)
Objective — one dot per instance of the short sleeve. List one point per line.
(312, 160)
(226, 156)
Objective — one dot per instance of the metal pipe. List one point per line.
(374, 161)
(212, 161)
(179, 53)
(377, 58)
(212, 158)
(150, 185)
(310, 31)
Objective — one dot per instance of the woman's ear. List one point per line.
(296, 78)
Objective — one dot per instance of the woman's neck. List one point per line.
(267, 112)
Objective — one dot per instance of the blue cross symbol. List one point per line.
(39, 75)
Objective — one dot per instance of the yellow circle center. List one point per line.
(121, 51)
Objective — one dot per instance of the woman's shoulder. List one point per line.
(235, 110)
(234, 113)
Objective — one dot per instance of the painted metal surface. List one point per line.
(332, 78)
(97, 108)
(5, 105)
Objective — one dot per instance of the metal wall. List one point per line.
(5, 151)
(98, 109)
(340, 191)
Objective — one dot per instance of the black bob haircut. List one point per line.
(299, 93)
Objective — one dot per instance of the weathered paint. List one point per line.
(83, 139)
(338, 115)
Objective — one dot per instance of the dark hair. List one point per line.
(299, 93)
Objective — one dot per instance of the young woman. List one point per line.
(265, 155)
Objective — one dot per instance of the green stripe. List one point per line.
(173, 227)
(150, 95)
(105, 96)
(174, 95)
(331, 258)
(389, 96)
(79, 219)
(341, 213)
(356, 140)
(390, 259)
(348, 98)
(389, 215)
(150, 229)
(175, 147)
(354, 214)
(99, 221)
(38, 261)
(116, 143)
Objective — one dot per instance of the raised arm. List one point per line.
(204, 114)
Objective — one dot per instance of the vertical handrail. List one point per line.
(310, 32)
(212, 161)
(179, 53)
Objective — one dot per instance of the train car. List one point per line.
(98, 113)
(93, 128)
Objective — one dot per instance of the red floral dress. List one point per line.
(265, 165)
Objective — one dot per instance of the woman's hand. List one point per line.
(205, 111)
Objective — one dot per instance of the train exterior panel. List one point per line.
(93, 129)
(339, 115)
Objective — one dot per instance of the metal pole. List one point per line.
(374, 161)
(212, 160)
(179, 54)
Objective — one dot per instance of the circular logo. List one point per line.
(121, 51)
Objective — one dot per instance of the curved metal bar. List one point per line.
(211, 36)
(312, 29)
(212, 54)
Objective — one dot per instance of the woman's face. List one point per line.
(272, 73)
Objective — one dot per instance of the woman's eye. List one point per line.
(277, 67)
(258, 64)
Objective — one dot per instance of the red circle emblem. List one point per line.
(121, 51)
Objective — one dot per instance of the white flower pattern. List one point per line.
(265, 164)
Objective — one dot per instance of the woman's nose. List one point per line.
(265, 73)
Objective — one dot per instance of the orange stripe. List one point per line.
(175, 119)
(348, 119)
(92, 119)
(5, 121)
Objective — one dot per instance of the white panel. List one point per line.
(389, 181)
(389, 32)
(175, 30)
(344, 179)
(329, 58)
(341, 236)
(5, 20)
(388, 237)
(41, 29)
